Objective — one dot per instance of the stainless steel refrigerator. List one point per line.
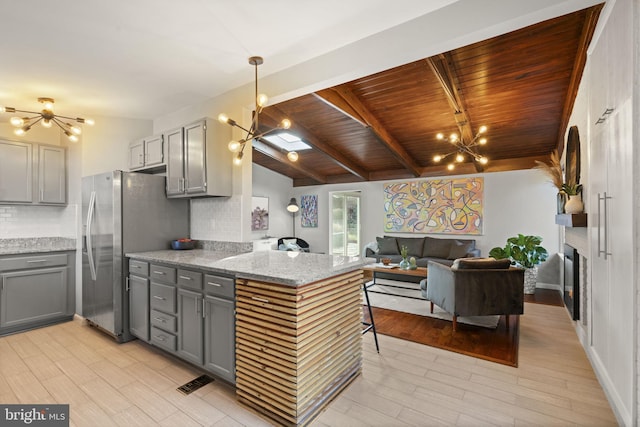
(122, 212)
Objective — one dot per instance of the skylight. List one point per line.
(287, 141)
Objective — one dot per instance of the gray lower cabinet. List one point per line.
(139, 307)
(219, 332)
(190, 338)
(190, 314)
(36, 290)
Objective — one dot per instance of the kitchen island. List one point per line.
(297, 325)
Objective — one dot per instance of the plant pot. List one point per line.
(562, 200)
(574, 204)
(404, 264)
(530, 280)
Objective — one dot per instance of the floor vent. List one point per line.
(193, 385)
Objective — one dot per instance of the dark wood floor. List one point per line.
(499, 345)
(545, 296)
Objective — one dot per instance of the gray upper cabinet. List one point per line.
(16, 162)
(198, 161)
(136, 154)
(32, 173)
(146, 153)
(175, 162)
(52, 175)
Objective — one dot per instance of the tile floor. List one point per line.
(407, 384)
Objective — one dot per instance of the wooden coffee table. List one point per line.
(396, 271)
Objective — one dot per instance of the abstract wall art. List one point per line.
(451, 206)
(259, 213)
(309, 211)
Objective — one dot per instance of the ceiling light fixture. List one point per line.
(463, 148)
(253, 132)
(47, 118)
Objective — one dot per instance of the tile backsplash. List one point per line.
(216, 218)
(20, 221)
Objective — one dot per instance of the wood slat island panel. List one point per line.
(297, 347)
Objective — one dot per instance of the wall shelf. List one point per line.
(572, 220)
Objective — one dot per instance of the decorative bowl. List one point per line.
(183, 244)
(385, 261)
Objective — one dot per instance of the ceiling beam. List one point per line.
(271, 114)
(591, 19)
(275, 154)
(381, 132)
(333, 99)
(442, 67)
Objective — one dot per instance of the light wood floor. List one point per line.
(408, 384)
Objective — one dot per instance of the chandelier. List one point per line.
(463, 148)
(254, 132)
(47, 118)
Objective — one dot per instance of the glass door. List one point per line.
(345, 223)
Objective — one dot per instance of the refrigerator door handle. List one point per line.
(92, 206)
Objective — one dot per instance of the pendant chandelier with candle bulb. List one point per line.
(253, 132)
(463, 148)
(47, 118)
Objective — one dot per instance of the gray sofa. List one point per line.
(423, 249)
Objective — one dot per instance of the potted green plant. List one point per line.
(526, 252)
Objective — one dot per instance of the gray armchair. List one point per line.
(475, 287)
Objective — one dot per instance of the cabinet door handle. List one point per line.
(217, 285)
(602, 219)
(204, 314)
(161, 338)
(185, 277)
(160, 319)
(160, 298)
(162, 273)
(260, 299)
(127, 287)
(36, 260)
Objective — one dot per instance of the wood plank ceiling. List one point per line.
(521, 85)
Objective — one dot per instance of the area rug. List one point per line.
(497, 344)
(407, 298)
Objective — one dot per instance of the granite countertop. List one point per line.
(287, 268)
(36, 245)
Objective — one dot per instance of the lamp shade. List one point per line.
(293, 205)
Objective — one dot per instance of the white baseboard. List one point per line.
(549, 286)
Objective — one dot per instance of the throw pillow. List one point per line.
(387, 246)
(436, 248)
(290, 241)
(459, 249)
(481, 264)
(414, 245)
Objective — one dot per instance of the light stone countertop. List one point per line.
(36, 245)
(287, 268)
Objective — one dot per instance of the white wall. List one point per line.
(279, 190)
(515, 202)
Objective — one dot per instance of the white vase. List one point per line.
(530, 279)
(574, 204)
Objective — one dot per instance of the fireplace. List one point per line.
(572, 281)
